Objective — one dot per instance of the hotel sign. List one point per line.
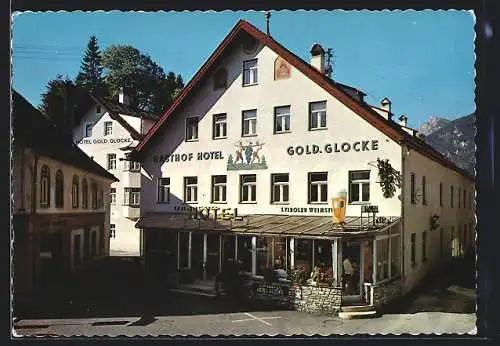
(105, 141)
(209, 213)
(311, 149)
(200, 156)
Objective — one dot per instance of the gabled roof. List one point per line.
(337, 90)
(33, 130)
(114, 112)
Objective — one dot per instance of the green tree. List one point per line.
(153, 89)
(90, 76)
(60, 100)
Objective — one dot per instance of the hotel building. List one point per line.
(60, 215)
(107, 131)
(260, 141)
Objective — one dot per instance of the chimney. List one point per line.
(403, 120)
(122, 97)
(386, 104)
(318, 57)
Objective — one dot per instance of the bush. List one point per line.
(298, 276)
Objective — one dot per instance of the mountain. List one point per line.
(453, 138)
(433, 124)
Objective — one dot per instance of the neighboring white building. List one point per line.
(264, 135)
(107, 132)
(60, 214)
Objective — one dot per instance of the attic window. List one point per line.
(220, 79)
(98, 109)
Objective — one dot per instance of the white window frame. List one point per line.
(108, 128)
(112, 195)
(319, 115)
(132, 196)
(87, 132)
(249, 116)
(317, 184)
(250, 72)
(191, 129)
(248, 186)
(112, 230)
(191, 189)
(163, 190)
(111, 161)
(281, 185)
(220, 126)
(45, 190)
(132, 166)
(220, 187)
(281, 119)
(360, 183)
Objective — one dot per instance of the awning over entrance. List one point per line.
(272, 225)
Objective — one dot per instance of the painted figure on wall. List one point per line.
(258, 147)
(239, 152)
(281, 69)
(249, 152)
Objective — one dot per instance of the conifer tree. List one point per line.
(90, 76)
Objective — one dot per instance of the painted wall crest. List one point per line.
(247, 156)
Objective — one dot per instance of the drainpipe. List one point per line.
(404, 149)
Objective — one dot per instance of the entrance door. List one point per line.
(197, 255)
(352, 268)
(213, 252)
(228, 248)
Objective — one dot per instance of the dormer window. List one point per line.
(108, 128)
(220, 79)
(87, 130)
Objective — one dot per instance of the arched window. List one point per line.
(85, 194)
(94, 195)
(75, 192)
(220, 79)
(45, 187)
(59, 189)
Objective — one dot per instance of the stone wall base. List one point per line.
(311, 299)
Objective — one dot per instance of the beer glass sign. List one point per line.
(339, 206)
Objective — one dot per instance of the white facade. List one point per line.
(104, 143)
(174, 157)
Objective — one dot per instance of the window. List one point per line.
(112, 195)
(424, 195)
(94, 195)
(424, 246)
(163, 190)
(250, 72)
(359, 186)
(451, 196)
(59, 189)
(249, 126)
(45, 187)
(248, 188)
(112, 230)
(219, 188)
(87, 130)
(395, 256)
(108, 128)
(318, 185)
(98, 109)
(191, 189)
(111, 161)
(220, 79)
(441, 194)
(470, 200)
(412, 188)
(441, 242)
(280, 188)
(192, 129)
(132, 196)
(458, 195)
(282, 119)
(220, 126)
(413, 243)
(317, 115)
(383, 259)
(183, 245)
(132, 166)
(75, 196)
(453, 244)
(85, 194)
(463, 202)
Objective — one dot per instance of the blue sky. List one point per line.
(422, 60)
